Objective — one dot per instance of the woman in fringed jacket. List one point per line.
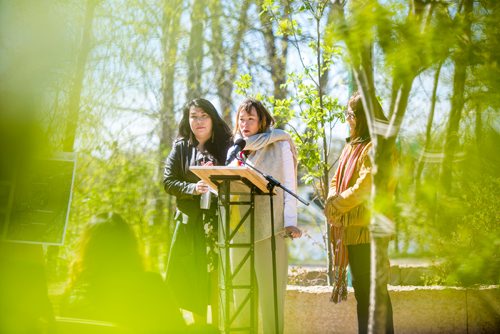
(347, 213)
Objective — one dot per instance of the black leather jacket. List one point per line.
(178, 180)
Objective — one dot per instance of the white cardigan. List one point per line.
(274, 153)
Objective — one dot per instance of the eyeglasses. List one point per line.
(349, 114)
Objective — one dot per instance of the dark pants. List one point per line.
(359, 263)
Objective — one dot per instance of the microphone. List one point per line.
(238, 146)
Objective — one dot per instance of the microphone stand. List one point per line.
(272, 183)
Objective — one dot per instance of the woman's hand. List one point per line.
(208, 163)
(331, 212)
(201, 188)
(293, 232)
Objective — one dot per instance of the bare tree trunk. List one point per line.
(430, 119)
(382, 226)
(74, 105)
(479, 126)
(457, 101)
(322, 81)
(383, 136)
(76, 90)
(164, 204)
(276, 54)
(224, 78)
(195, 51)
(329, 21)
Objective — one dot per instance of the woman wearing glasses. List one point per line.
(347, 213)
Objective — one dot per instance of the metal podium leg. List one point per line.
(230, 308)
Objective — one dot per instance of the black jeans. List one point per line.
(359, 263)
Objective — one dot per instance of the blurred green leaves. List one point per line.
(122, 83)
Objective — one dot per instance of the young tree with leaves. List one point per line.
(409, 46)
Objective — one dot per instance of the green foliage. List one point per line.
(309, 112)
(313, 118)
(122, 182)
(473, 250)
(410, 42)
(123, 83)
(286, 27)
(269, 6)
(459, 230)
(243, 84)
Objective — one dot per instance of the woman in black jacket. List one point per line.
(203, 139)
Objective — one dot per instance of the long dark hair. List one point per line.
(221, 133)
(361, 130)
(107, 248)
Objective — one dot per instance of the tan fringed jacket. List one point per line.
(350, 204)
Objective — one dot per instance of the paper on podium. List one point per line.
(205, 172)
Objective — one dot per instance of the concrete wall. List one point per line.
(416, 310)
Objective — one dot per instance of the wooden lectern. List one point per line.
(236, 188)
(242, 177)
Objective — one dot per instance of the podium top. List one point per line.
(205, 172)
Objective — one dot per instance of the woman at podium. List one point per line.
(203, 139)
(272, 152)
